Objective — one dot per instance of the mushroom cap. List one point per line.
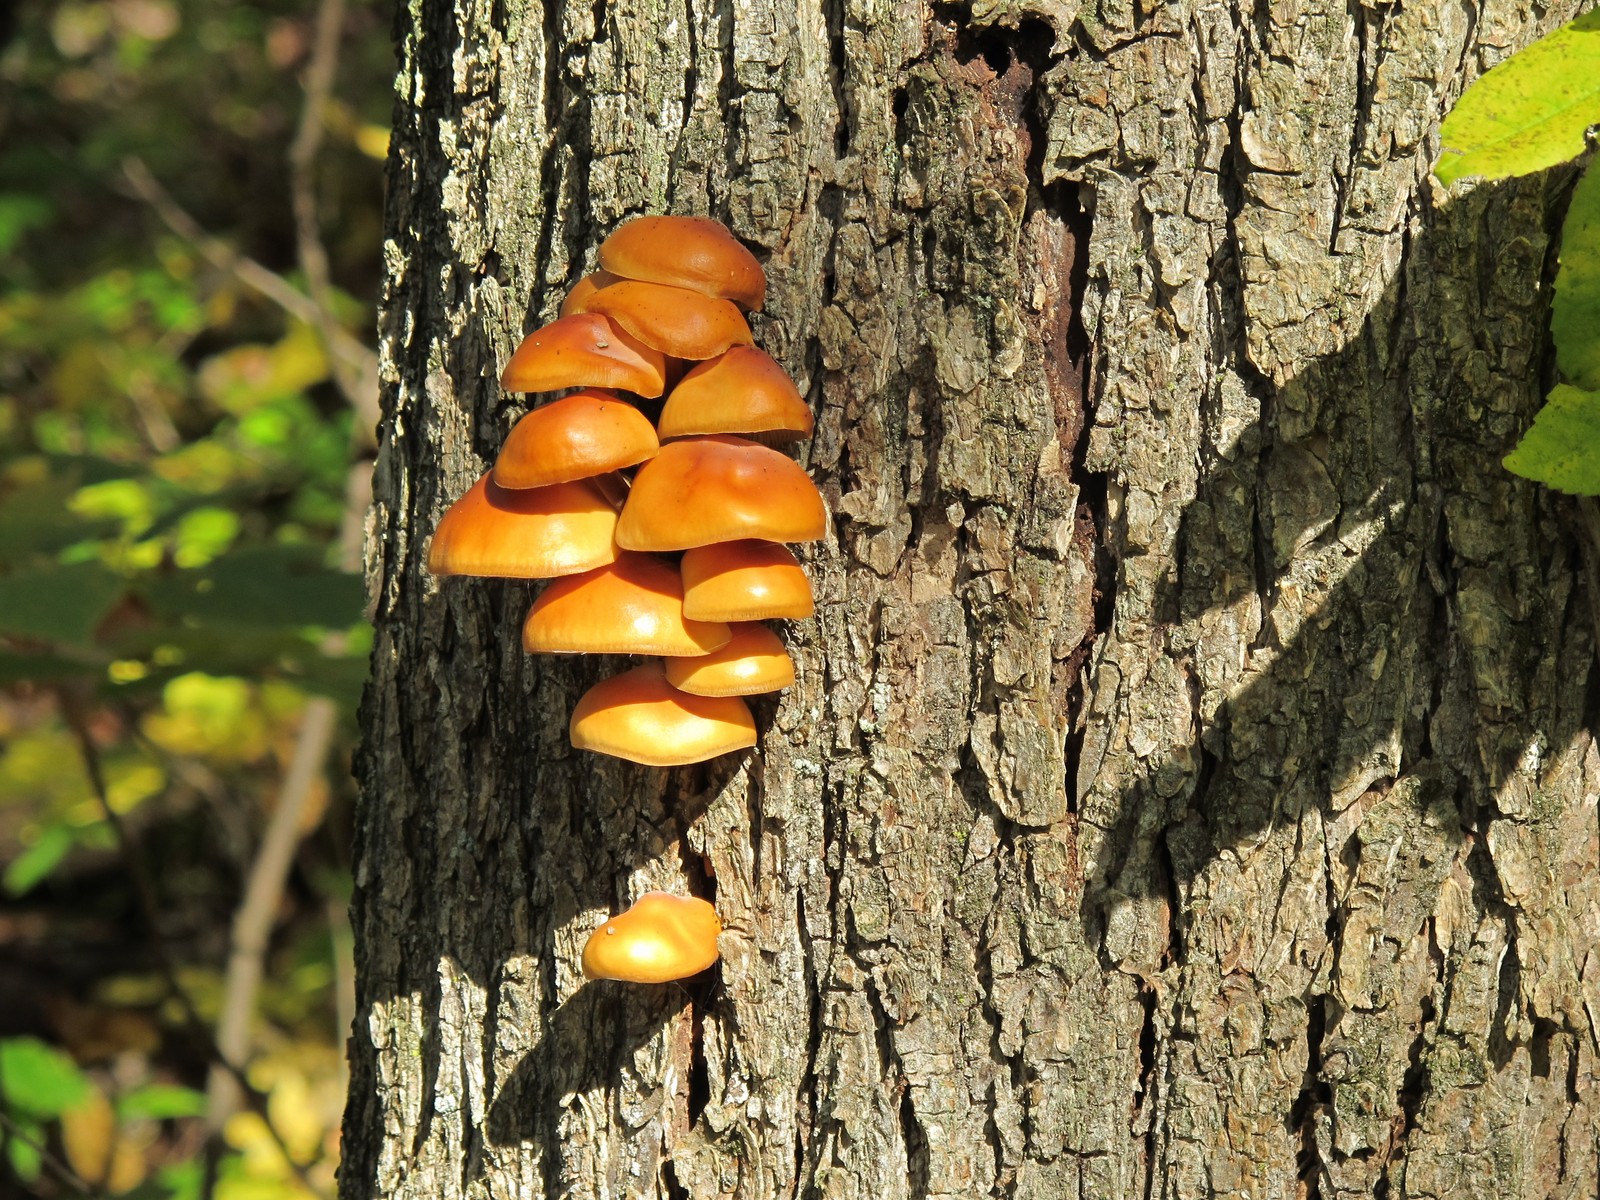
(718, 489)
(587, 433)
(528, 533)
(753, 661)
(660, 938)
(689, 252)
(631, 606)
(584, 350)
(583, 289)
(639, 716)
(744, 581)
(740, 391)
(673, 320)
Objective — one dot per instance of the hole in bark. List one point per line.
(1315, 1095)
(1544, 1030)
(837, 70)
(669, 1182)
(1031, 42)
(1501, 1045)
(1413, 1085)
(916, 1147)
(699, 1070)
(1147, 1048)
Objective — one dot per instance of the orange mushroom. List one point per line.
(639, 716)
(673, 320)
(532, 533)
(584, 350)
(753, 661)
(689, 252)
(718, 489)
(587, 433)
(631, 606)
(741, 391)
(744, 581)
(583, 289)
(660, 938)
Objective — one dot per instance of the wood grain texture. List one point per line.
(1189, 788)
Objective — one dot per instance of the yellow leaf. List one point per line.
(373, 141)
(88, 1136)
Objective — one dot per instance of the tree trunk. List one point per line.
(1190, 786)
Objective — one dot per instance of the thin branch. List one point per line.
(341, 346)
(258, 910)
(62, 1171)
(144, 894)
(360, 386)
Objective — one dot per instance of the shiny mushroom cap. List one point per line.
(744, 581)
(631, 606)
(741, 391)
(584, 350)
(754, 661)
(578, 297)
(660, 938)
(639, 716)
(533, 533)
(689, 252)
(673, 320)
(718, 489)
(587, 433)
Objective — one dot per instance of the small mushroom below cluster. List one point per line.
(660, 938)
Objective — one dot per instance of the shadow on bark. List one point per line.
(1417, 607)
(588, 1045)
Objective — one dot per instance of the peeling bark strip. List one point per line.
(1190, 787)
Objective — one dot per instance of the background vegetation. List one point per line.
(190, 239)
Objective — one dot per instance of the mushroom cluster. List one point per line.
(661, 538)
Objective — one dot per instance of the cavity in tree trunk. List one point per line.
(1190, 787)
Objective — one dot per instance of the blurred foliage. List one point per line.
(173, 477)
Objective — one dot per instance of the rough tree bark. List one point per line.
(1190, 787)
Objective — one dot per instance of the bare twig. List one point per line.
(341, 345)
(358, 383)
(144, 894)
(258, 910)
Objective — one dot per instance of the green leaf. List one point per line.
(1563, 447)
(1575, 314)
(38, 860)
(19, 214)
(160, 1102)
(1528, 113)
(18, 667)
(58, 603)
(39, 1079)
(271, 586)
(36, 519)
(23, 1150)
